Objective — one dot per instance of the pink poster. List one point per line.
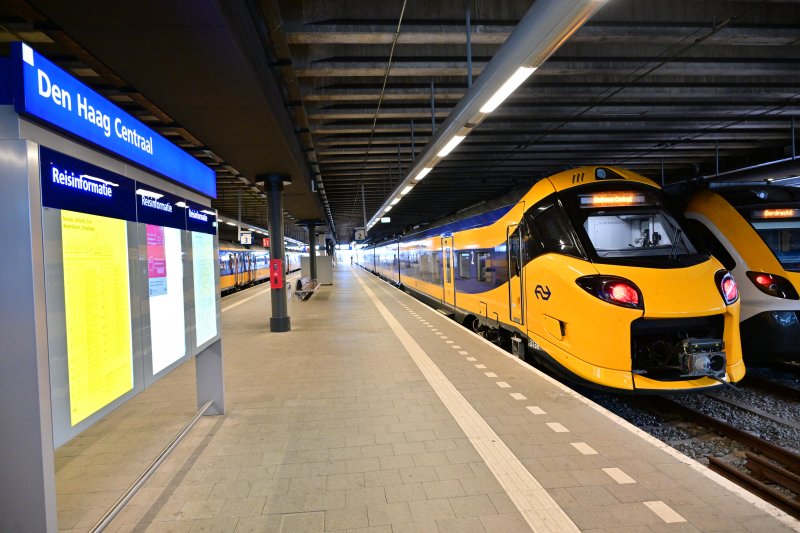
(156, 261)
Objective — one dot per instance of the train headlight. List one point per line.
(617, 291)
(727, 286)
(773, 285)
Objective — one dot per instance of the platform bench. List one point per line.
(305, 287)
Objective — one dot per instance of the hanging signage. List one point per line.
(246, 238)
(48, 93)
(265, 242)
(200, 218)
(154, 206)
(73, 185)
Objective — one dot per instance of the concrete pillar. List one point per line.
(312, 249)
(280, 308)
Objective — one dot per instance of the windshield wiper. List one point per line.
(673, 253)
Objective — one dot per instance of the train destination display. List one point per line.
(98, 315)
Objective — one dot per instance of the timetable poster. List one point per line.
(98, 316)
(165, 279)
(205, 295)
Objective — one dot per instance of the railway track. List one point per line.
(772, 386)
(772, 472)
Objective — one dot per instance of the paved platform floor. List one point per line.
(378, 414)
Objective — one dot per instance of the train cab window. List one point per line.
(716, 248)
(464, 263)
(783, 238)
(484, 260)
(554, 235)
(448, 267)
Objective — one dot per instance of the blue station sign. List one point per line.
(48, 93)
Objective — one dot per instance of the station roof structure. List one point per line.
(344, 95)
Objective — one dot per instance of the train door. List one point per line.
(449, 293)
(515, 281)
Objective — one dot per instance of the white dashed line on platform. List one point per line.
(619, 476)
(470, 358)
(490, 374)
(558, 428)
(480, 366)
(503, 385)
(665, 512)
(535, 409)
(584, 448)
(518, 396)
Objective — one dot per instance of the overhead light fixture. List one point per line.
(395, 201)
(230, 224)
(149, 194)
(422, 173)
(180, 204)
(406, 190)
(388, 209)
(452, 143)
(507, 88)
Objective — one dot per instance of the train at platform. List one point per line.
(588, 273)
(244, 266)
(754, 231)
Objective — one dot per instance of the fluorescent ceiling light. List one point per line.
(422, 173)
(406, 190)
(451, 144)
(387, 209)
(507, 88)
(181, 204)
(395, 201)
(230, 224)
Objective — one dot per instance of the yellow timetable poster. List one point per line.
(98, 316)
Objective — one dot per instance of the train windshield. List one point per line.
(632, 227)
(781, 233)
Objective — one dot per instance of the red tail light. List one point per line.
(773, 285)
(617, 291)
(621, 292)
(727, 287)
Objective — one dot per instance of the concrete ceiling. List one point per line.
(670, 89)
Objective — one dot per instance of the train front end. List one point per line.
(755, 232)
(637, 305)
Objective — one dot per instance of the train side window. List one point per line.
(553, 230)
(464, 261)
(484, 266)
(717, 249)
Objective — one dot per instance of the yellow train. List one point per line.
(589, 274)
(754, 230)
(241, 266)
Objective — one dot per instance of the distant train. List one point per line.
(755, 232)
(241, 266)
(589, 274)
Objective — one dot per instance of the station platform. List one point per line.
(375, 413)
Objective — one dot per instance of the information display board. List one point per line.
(98, 316)
(100, 212)
(166, 302)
